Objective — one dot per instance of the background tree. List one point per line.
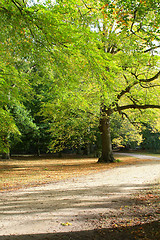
(29, 38)
(124, 134)
(150, 131)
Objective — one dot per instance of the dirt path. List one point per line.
(141, 156)
(73, 205)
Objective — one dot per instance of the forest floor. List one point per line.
(73, 198)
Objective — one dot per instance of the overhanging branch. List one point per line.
(149, 86)
(17, 4)
(128, 88)
(134, 106)
(150, 79)
(152, 48)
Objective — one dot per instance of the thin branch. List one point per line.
(149, 86)
(134, 106)
(126, 90)
(116, 51)
(150, 79)
(140, 81)
(135, 101)
(126, 115)
(79, 11)
(131, 29)
(125, 78)
(134, 17)
(86, 5)
(135, 124)
(17, 5)
(152, 48)
(5, 9)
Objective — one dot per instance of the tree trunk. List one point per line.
(107, 153)
(6, 155)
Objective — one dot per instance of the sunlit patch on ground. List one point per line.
(26, 171)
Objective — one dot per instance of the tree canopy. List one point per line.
(82, 61)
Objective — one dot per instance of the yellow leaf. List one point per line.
(66, 224)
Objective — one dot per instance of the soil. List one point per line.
(119, 203)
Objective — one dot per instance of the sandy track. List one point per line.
(141, 156)
(78, 201)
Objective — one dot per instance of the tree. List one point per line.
(99, 58)
(7, 127)
(9, 87)
(133, 46)
(151, 138)
(29, 39)
(124, 134)
(150, 131)
(25, 124)
(122, 66)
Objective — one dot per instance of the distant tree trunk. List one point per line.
(59, 154)
(38, 148)
(6, 155)
(6, 147)
(107, 153)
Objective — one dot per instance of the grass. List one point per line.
(26, 171)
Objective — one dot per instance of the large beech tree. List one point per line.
(120, 67)
(130, 36)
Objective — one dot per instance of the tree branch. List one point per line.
(134, 101)
(149, 86)
(126, 90)
(86, 5)
(134, 106)
(5, 9)
(140, 81)
(131, 29)
(134, 17)
(150, 79)
(152, 48)
(17, 5)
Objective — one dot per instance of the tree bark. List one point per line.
(6, 155)
(6, 151)
(107, 153)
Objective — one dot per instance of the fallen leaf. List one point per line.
(66, 224)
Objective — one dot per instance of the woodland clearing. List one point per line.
(80, 199)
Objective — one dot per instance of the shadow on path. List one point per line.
(145, 231)
(37, 201)
(81, 202)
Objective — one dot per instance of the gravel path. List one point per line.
(141, 156)
(73, 205)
